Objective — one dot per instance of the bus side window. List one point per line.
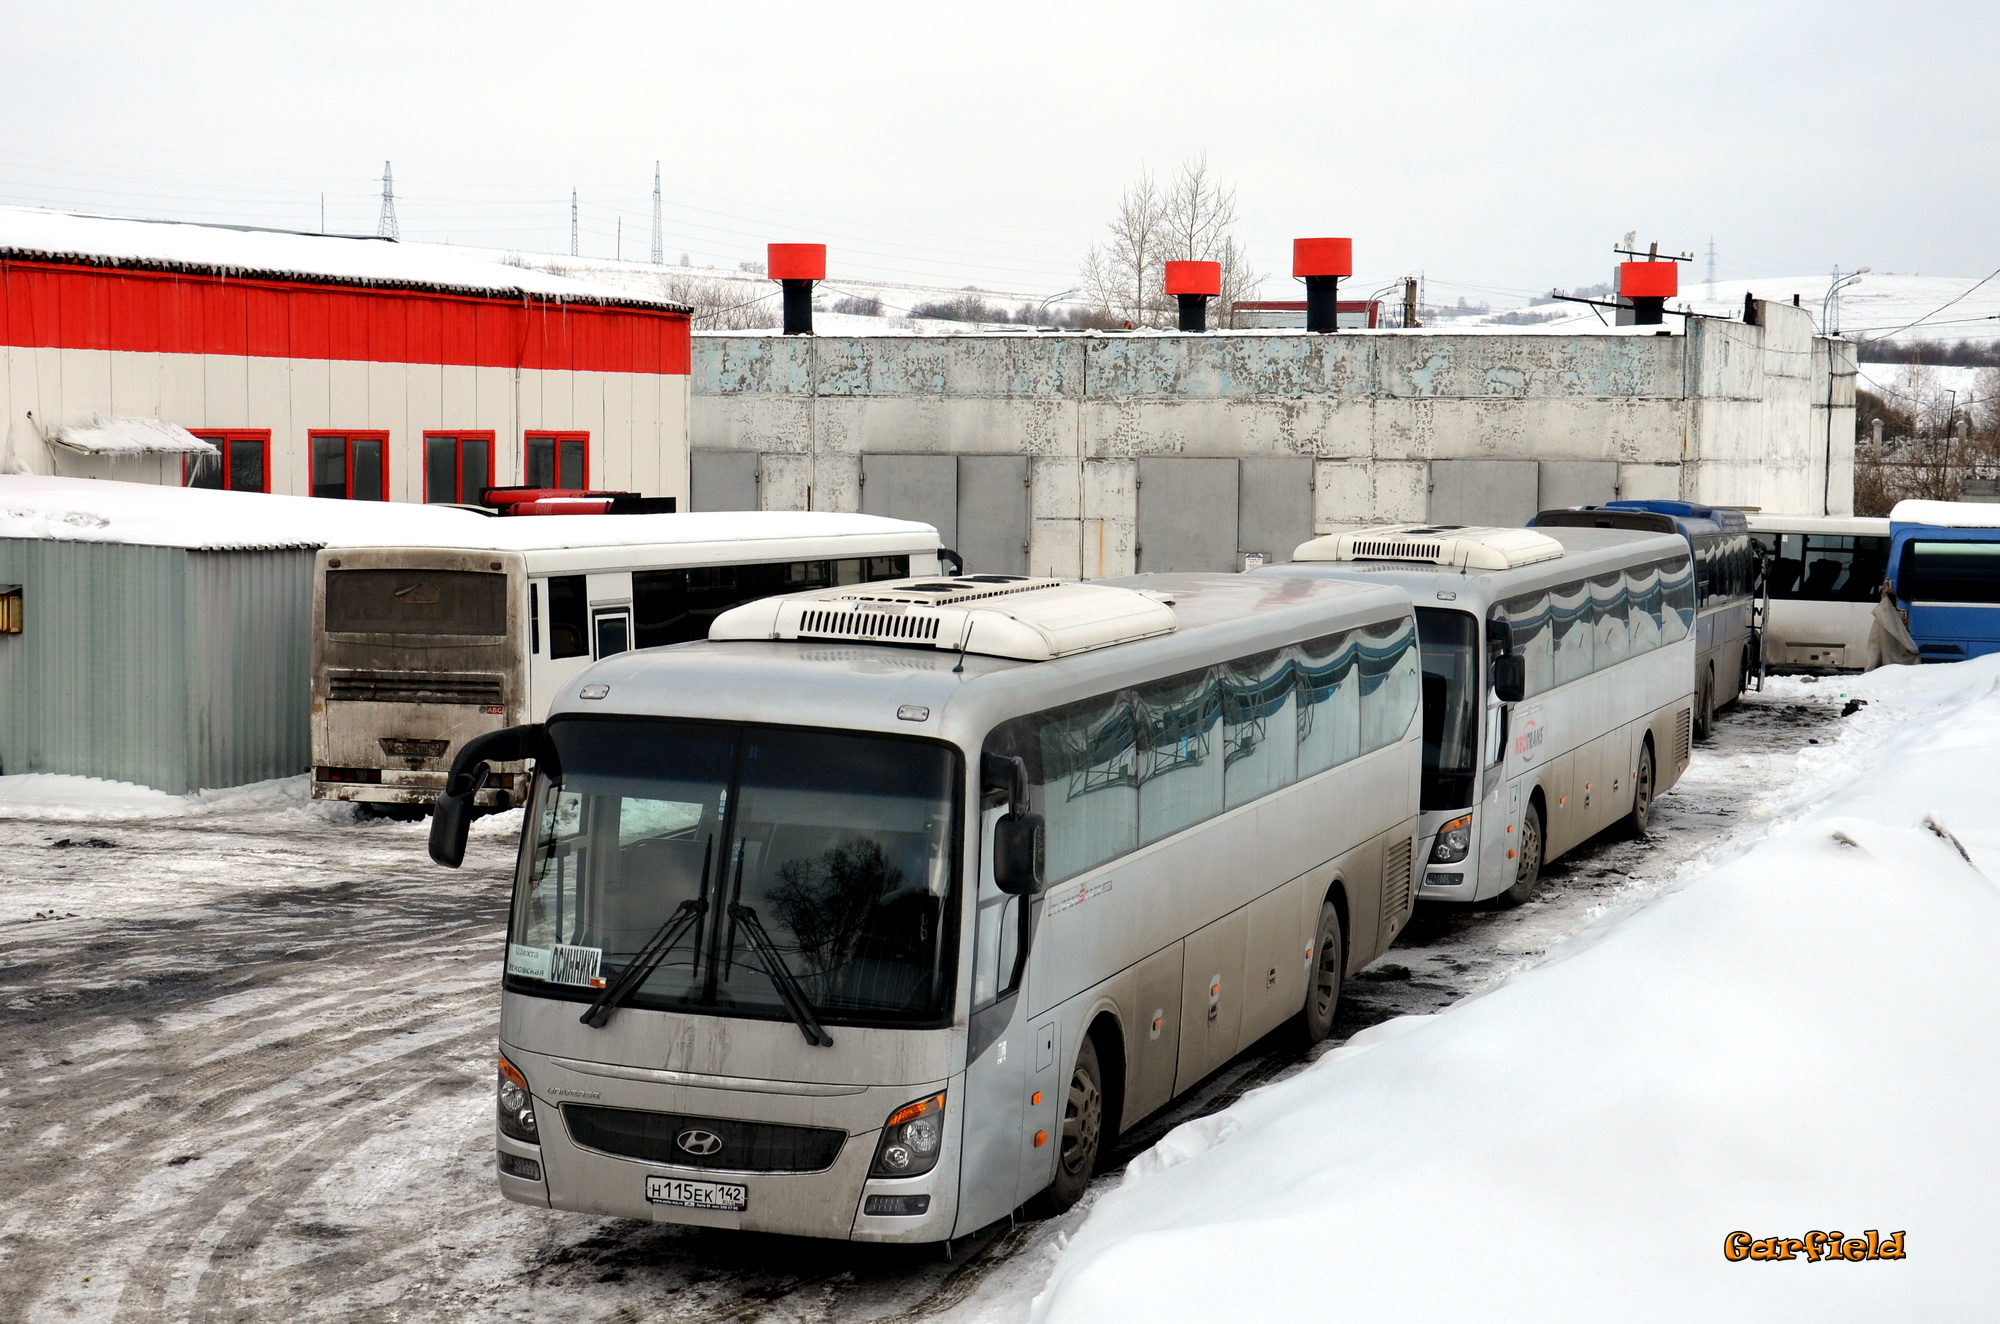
(1391, 681)
(1329, 703)
(534, 618)
(569, 617)
(1083, 783)
(1677, 590)
(1180, 753)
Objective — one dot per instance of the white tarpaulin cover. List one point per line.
(131, 436)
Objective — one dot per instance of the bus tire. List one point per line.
(1704, 706)
(1315, 1019)
(1641, 817)
(1082, 1137)
(1527, 859)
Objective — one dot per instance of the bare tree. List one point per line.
(721, 304)
(1123, 276)
(1193, 217)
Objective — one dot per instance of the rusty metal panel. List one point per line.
(1506, 493)
(1274, 506)
(1187, 514)
(993, 516)
(918, 487)
(723, 480)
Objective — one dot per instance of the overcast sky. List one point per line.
(1497, 148)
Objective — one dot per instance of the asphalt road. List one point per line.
(246, 1073)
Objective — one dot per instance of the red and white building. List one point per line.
(315, 365)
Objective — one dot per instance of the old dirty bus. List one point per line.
(418, 649)
(882, 912)
(1558, 669)
(1824, 576)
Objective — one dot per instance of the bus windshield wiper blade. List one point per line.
(648, 959)
(643, 965)
(780, 974)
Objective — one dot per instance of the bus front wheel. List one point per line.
(1527, 859)
(1082, 1133)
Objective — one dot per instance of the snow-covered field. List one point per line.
(1797, 1039)
(246, 1071)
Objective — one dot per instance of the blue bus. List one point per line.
(1944, 572)
(1727, 577)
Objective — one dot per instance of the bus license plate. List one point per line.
(697, 1194)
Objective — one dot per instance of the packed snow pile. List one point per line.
(132, 436)
(1800, 1041)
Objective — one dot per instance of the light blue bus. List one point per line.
(1944, 573)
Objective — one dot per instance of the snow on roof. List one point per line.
(145, 514)
(1947, 514)
(131, 436)
(27, 232)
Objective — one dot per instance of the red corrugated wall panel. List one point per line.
(81, 307)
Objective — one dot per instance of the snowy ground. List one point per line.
(246, 1062)
(1795, 1045)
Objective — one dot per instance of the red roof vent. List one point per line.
(1322, 257)
(1649, 280)
(1202, 278)
(796, 262)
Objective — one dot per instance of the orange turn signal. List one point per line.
(1041, 1138)
(507, 1069)
(910, 1112)
(1036, 1101)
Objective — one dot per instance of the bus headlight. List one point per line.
(1454, 841)
(911, 1139)
(517, 1105)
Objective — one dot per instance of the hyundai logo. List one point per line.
(699, 1142)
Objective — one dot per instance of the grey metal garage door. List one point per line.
(723, 480)
(1274, 504)
(1187, 514)
(918, 487)
(1498, 492)
(993, 513)
(1578, 483)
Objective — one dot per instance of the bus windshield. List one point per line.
(841, 847)
(1949, 571)
(1449, 641)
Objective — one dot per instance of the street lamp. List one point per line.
(1044, 308)
(1833, 296)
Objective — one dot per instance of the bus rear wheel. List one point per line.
(1315, 1020)
(1641, 816)
(1082, 1133)
(1527, 859)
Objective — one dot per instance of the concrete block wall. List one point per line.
(1723, 412)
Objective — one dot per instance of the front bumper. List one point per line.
(827, 1204)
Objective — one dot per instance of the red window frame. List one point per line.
(462, 436)
(349, 436)
(582, 483)
(222, 437)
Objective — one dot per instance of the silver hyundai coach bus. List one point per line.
(883, 911)
(1559, 677)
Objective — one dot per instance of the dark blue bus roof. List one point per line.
(1723, 518)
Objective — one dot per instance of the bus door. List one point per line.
(1499, 793)
(999, 1055)
(610, 613)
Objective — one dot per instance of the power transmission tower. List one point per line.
(659, 255)
(1711, 268)
(386, 226)
(572, 222)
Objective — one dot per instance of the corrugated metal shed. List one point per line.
(170, 667)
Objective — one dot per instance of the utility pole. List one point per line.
(659, 256)
(572, 222)
(1410, 302)
(385, 226)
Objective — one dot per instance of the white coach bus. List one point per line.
(1824, 575)
(418, 649)
(1559, 669)
(883, 912)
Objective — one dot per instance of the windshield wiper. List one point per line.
(648, 959)
(780, 975)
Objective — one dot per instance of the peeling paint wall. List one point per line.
(1724, 412)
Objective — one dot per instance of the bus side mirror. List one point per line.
(1510, 678)
(1003, 779)
(451, 821)
(1020, 852)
